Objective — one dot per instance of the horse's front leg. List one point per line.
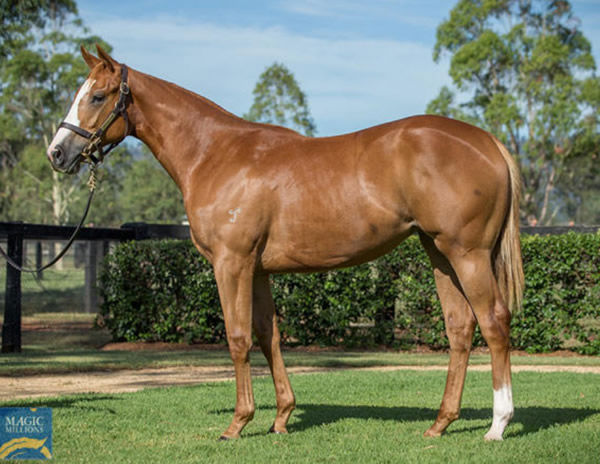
(234, 275)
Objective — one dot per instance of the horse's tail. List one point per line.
(508, 262)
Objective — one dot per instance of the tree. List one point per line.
(40, 71)
(529, 77)
(278, 99)
(17, 16)
(148, 194)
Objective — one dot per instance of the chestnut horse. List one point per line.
(263, 199)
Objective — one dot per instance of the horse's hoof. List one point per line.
(490, 436)
(277, 432)
(226, 438)
(432, 433)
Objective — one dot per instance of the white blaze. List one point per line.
(503, 412)
(72, 116)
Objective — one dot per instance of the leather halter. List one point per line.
(96, 138)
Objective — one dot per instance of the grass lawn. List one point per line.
(344, 416)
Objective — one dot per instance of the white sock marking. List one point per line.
(503, 412)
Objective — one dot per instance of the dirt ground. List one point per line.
(133, 380)
(119, 381)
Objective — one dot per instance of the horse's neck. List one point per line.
(177, 125)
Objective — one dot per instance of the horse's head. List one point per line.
(93, 120)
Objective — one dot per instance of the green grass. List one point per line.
(341, 417)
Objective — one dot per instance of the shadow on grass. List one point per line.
(84, 401)
(533, 419)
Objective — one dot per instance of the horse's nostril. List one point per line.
(58, 155)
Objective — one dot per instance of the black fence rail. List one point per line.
(15, 233)
(98, 241)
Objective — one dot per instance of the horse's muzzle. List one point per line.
(60, 161)
(58, 157)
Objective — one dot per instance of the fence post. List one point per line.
(105, 248)
(38, 259)
(91, 294)
(11, 329)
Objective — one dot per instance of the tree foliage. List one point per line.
(528, 76)
(17, 16)
(40, 71)
(148, 194)
(278, 99)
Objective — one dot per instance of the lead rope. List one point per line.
(92, 184)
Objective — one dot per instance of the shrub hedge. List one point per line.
(163, 290)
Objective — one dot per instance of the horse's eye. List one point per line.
(98, 98)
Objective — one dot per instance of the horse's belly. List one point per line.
(313, 246)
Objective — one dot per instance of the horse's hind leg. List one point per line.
(460, 324)
(474, 270)
(265, 328)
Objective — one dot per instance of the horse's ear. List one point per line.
(90, 59)
(111, 64)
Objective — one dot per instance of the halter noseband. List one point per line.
(95, 138)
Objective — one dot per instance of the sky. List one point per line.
(359, 62)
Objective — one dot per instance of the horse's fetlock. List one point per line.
(245, 414)
(286, 404)
(451, 416)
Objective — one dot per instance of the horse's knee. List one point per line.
(239, 345)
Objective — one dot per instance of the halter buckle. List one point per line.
(95, 144)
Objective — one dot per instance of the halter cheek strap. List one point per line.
(95, 138)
